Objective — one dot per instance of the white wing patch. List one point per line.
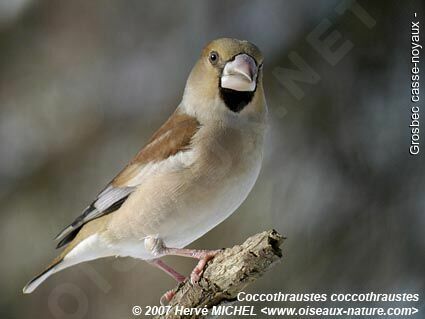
(178, 161)
(111, 195)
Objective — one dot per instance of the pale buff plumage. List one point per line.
(193, 173)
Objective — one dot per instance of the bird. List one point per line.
(192, 174)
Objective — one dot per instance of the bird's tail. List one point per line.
(56, 265)
(59, 263)
(85, 247)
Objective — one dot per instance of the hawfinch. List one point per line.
(191, 175)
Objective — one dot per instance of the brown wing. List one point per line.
(173, 137)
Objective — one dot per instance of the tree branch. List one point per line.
(231, 271)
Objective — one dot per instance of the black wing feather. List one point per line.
(79, 222)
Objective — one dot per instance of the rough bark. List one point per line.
(231, 271)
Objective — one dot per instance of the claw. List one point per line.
(166, 297)
(195, 276)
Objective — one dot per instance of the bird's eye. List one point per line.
(213, 57)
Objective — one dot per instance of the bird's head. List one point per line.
(228, 75)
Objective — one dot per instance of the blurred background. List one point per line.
(83, 85)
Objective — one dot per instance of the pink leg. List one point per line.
(169, 270)
(203, 255)
(155, 245)
(166, 297)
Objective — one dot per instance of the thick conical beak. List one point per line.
(240, 74)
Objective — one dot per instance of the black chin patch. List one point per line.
(235, 100)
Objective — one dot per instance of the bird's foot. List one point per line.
(157, 247)
(204, 256)
(166, 297)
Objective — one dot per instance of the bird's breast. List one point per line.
(227, 166)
